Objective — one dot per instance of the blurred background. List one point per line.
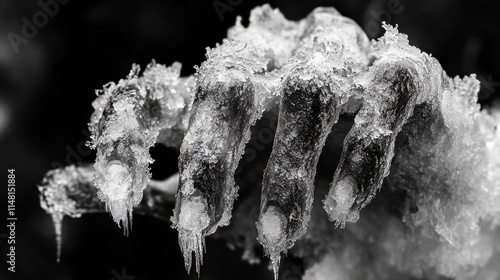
(47, 85)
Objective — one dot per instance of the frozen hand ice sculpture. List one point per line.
(412, 128)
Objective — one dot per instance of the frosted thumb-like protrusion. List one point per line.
(129, 118)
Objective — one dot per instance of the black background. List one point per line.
(47, 88)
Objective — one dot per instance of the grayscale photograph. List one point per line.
(249, 140)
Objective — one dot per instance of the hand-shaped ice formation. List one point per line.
(311, 71)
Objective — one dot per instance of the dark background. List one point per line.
(47, 88)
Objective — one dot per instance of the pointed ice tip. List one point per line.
(125, 231)
(192, 242)
(340, 223)
(126, 223)
(57, 219)
(276, 265)
(121, 212)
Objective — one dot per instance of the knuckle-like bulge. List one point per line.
(219, 113)
(310, 107)
(398, 91)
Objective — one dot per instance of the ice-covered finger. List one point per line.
(369, 146)
(307, 112)
(234, 87)
(129, 118)
(229, 99)
(318, 79)
(213, 145)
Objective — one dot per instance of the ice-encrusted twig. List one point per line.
(70, 192)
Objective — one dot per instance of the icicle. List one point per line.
(192, 220)
(57, 219)
(275, 259)
(67, 192)
(192, 242)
